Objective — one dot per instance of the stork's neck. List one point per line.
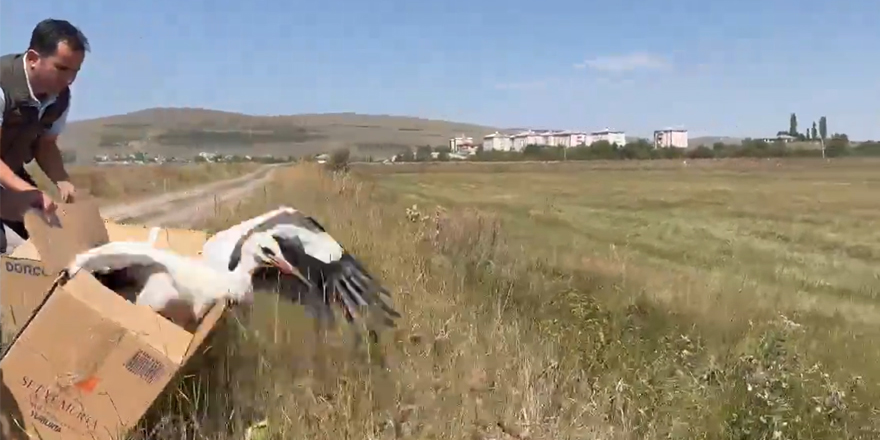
(246, 267)
(241, 278)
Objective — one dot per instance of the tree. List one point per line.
(532, 150)
(823, 128)
(423, 153)
(814, 132)
(701, 152)
(339, 159)
(603, 149)
(792, 125)
(640, 149)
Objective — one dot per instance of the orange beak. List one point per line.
(282, 265)
(288, 269)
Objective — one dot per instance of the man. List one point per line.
(35, 98)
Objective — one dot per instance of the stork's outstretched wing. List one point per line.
(156, 278)
(123, 254)
(193, 279)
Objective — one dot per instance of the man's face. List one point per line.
(51, 74)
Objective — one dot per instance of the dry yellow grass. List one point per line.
(125, 183)
(723, 299)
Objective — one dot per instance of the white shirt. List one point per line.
(59, 124)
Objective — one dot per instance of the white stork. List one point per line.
(326, 271)
(164, 279)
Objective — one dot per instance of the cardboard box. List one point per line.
(85, 363)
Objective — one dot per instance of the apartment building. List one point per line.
(670, 138)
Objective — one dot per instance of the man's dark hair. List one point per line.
(49, 32)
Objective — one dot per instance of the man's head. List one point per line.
(54, 57)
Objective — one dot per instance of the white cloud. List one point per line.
(625, 63)
(528, 85)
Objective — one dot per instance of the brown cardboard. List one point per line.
(25, 283)
(74, 228)
(88, 363)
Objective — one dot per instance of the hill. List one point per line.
(187, 131)
(184, 132)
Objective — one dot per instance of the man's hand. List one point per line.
(67, 190)
(43, 202)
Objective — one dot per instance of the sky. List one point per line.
(734, 68)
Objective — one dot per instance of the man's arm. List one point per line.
(8, 178)
(47, 153)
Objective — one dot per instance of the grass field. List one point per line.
(126, 183)
(729, 299)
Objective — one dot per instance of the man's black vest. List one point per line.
(22, 125)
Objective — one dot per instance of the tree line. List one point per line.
(818, 144)
(818, 131)
(837, 146)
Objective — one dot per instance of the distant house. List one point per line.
(566, 139)
(556, 139)
(549, 138)
(538, 137)
(520, 140)
(577, 138)
(497, 142)
(671, 138)
(610, 136)
(464, 144)
(784, 138)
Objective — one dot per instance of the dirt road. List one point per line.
(186, 207)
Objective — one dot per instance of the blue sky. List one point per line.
(735, 68)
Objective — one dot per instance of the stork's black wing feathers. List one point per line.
(357, 280)
(293, 290)
(344, 282)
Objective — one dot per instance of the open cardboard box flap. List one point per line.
(26, 250)
(72, 229)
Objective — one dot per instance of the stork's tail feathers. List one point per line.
(356, 289)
